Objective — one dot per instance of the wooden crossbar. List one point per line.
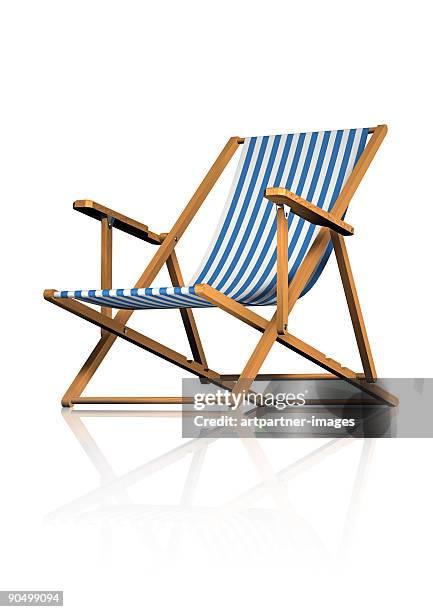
(302, 348)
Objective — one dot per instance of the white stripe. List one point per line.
(225, 210)
(236, 214)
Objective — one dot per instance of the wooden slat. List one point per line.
(282, 271)
(132, 400)
(354, 306)
(106, 263)
(371, 130)
(272, 377)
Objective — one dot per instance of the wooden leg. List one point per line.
(186, 313)
(257, 358)
(106, 263)
(354, 306)
(282, 270)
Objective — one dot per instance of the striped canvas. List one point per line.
(241, 260)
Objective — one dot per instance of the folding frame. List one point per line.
(273, 330)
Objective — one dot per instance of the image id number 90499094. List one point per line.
(31, 598)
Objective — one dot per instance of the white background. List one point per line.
(128, 103)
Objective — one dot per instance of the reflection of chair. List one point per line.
(257, 249)
(235, 519)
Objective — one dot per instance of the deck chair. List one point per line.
(283, 218)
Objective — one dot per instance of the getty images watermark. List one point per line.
(245, 404)
(308, 408)
(234, 401)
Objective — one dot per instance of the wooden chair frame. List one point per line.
(273, 330)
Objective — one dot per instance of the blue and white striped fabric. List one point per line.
(241, 260)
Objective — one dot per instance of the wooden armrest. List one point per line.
(308, 211)
(117, 220)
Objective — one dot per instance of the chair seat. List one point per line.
(139, 299)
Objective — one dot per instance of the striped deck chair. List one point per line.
(283, 217)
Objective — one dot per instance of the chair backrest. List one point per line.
(241, 260)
